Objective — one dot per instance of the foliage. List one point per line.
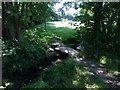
(100, 34)
(72, 42)
(24, 47)
(50, 38)
(68, 74)
(28, 53)
(23, 15)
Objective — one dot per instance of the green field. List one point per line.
(61, 29)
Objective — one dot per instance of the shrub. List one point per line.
(28, 53)
(47, 39)
(72, 42)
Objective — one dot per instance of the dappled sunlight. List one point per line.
(78, 59)
(87, 73)
(61, 45)
(78, 70)
(67, 50)
(81, 72)
(92, 86)
(93, 65)
(101, 65)
(61, 24)
(103, 60)
(67, 74)
(100, 71)
(88, 79)
(76, 83)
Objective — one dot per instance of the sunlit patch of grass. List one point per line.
(92, 86)
(61, 24)
(64, 33)
(103, 60)
(92, 81)
(67, 74)
(61, 29)
(111, 63)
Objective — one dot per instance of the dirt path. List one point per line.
(67, 50)
(99, 71)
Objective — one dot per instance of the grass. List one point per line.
(67, 74)
(60, 29)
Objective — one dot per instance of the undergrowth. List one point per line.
(67, 74)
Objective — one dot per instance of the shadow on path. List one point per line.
(99, 71)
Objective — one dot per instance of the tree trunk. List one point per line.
(97, 22)
(97, 16)
(45, 24)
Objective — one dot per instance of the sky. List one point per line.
(59, 5)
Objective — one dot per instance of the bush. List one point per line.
(72, 42)
(28, 53)
(52, 38)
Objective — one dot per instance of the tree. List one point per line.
(100, 32)
(21, 16)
